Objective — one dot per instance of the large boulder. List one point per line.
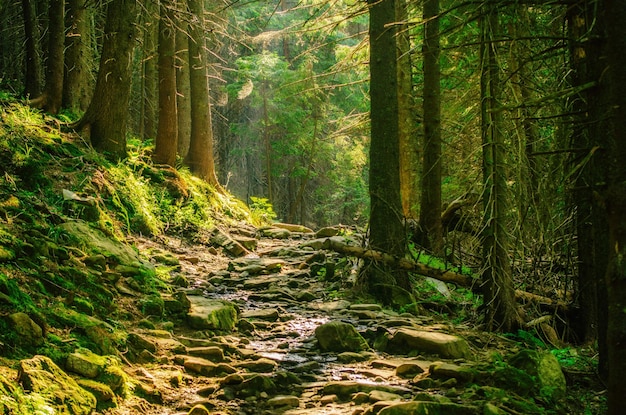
(406, 340)
(41, 376)
(337, 336)
(29, 333)
(206, 313)
(544, 368)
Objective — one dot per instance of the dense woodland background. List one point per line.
(505, 156)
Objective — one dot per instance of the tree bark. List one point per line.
(430, 210)
(150, 79)
(77, 85)
(616, 206)
(499, 296)
(52, 97)
(200, 158)
(409, 145)
(387, 233)
(167, 132)
(183, 101)
(107, 115)
(33, 80)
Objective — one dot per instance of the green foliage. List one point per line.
(527, 338)
(262, 209)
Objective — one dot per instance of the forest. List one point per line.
(475, 143)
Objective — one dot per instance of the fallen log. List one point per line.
(559, 305)
(401, 263)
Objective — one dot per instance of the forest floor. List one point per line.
(272, 361)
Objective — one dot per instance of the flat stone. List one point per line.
(378, 395)
(276, 233)
(442, 370)
(212, 353)
(344, 389)
(262, 365)
(207, 313)
(366, 307)
(408, 370)
(284, 401)
(255, 266)
(85, 363)
(206, 367)
(406, 340)
(428, 408)
(266, 314)
(259, 283)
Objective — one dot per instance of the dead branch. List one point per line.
(544, 301)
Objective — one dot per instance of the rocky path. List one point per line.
(264, 326)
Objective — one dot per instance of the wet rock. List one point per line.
(544, 368)
(406, 340)
(337, 336)
(262, 365)
(211, 314)
(365, 307)
(428, 408)
(256, 385)
(284, 401)
(306, 296)
(28, 332)
(41, 376)
(265, 314)
(86, 363)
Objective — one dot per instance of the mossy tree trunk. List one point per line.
(387, 232)
(77, 85)
(167, 133)
(106, 118)
(200, 158)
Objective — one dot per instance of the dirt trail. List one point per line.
(272, 362)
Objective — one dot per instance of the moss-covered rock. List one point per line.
(211, 314)
(406, 340)
(86, 363)
(28, 332)
(429, 408)
(337, 336)
(41, 376)
(545, 369)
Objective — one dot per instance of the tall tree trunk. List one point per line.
(497, 282)
(430, 210)
(183, 101)
(167, 132)
(33, 80)
(409, 148)
(52, 96)
(77, 86)
(387, 232)
(616, 206)
(200, 157)
(150, 79)
(107, 115)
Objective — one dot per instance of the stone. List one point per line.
(262, 365)
(265, 314)
(29, 333)
(255, 266)
(284, 401)
(211, 314)
(40, 375)
(408, 370)
(275, 233)
(259, 283)
(345, 389)
(441, 370)
(337, 336)
(223, 240)
(365, 307)
(378, 395)
(140, 342)
(86, 363)
(327, 232)
(406, 340)
(212, 353)
(351, 357)
(206, 367)
(102, 392)
(545, 369)
(428, 408)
